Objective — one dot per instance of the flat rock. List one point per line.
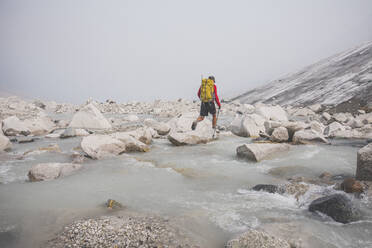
(100, 146)
(337, 206)
(50, 171)
(364, 163)
(89, 117)
(258, 152)
(189, 138)
(308, 136)
(255, 239)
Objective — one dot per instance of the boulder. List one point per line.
(142, 134)
(131, 143)
(160, 127)
(340, 117)
(350, 185)
(13, 126)
(271, 125)
(100, 146)
(190, 138)
(280, 134)
(245, 109)
(317, 127)
(89, 117)
(364, 163)
(357, 123)
(308, 136)
(258, 152)
(304, 112)
(294, 126)
(316, 107)
(255, 239)
(337, 206)
(40, 125)
(274, 113)
(236, 125)
(326, 116)
(252, 125)
(333, 128)
(5, 143)
(50, 171)
(266, 187)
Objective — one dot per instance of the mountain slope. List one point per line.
(332, 81)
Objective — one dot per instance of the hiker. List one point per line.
(207, 94)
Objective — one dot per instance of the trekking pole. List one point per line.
(218, 113)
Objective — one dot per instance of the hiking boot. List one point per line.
(193, 126)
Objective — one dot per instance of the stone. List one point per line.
(160, 127)
(13, 126)
(252, 125)
(364, 163)
(317, 127)
(258, 152)
(68, 133)
(337, 206)
(266, 187)
(40, 125)
(89, 117)
(350, 185)
(357, 123)
(340, 117)
(280, 134)
(333, 128)
(40, 150)
(255, 239)
(50, 171)
(5, 143)
(308, 136)
(236, 124)
(23, 140)
(271, 125)
(101, 146)
(131, 143)
(316, 107)
(294, 126)
(189, 138)
(274, 113)
(183, 123)
(326, 116)
(131, 118)
(304, 112)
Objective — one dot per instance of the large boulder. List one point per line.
(364, 163)
(280, 134)
(13, 126)
(332, 129)
(189, 138)
(308, 136)
(255, 239)
(89, 117)
(100, 146)
(50, 171)
(337, 206)
(252, 125)
(142, 134)
(271, 125)
(131, 143)
(160, 127)
(274, 113)
(258, 152)
(40, 125)
(350, 185)
(183, 123)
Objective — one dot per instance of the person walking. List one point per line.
(207, 93)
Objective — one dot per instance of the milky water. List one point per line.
(205, 187)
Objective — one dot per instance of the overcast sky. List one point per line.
(70, 50)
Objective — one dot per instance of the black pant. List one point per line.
(207, 107)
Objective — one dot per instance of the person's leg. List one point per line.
(214, 121)
(199, 119)
(203, 113)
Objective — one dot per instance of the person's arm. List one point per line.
(216, 97)
(199, 92)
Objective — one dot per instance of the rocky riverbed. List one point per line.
(262, 179)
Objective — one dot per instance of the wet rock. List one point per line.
(100, 146)
(112, 204)
(131, 144)
(280, 134)
(350, 185)
(274, 113)
(258, 152)
(122, 231)
(13, 126)
(40, 150)
(50, 171)
(296, 189)
(161, 128)
(325, 175)
(364, 163)
(308, 136)
(255, 239)
(89, 117)
(337, 206)
(55, 134)
(266, 187)
(22, 140)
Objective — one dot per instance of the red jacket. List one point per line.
(215, 95)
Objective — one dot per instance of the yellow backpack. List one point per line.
(207, 90)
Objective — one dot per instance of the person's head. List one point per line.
(212, 77)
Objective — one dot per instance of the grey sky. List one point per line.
(69, 50)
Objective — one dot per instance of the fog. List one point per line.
(71, 50)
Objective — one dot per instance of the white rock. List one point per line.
(50, 171)
(13, 126)
(326, 116)
(294, 126)
(332, 128)
(100, 146)
(160, 127)
(258, 152)
(340, 117)
(40, 125)
(317, 127)
(357, 123)
(316, 107)
(131, 143)
(271, 125)
(89, 117)
(280, 134)
(189, 138)
(308, 136)
(81, 132)
(184, 121)
(132, 118)
(5, 143)
(274, 113)
(304, 112)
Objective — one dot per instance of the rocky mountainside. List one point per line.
(345, 78)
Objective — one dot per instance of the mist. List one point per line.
(138, 50)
